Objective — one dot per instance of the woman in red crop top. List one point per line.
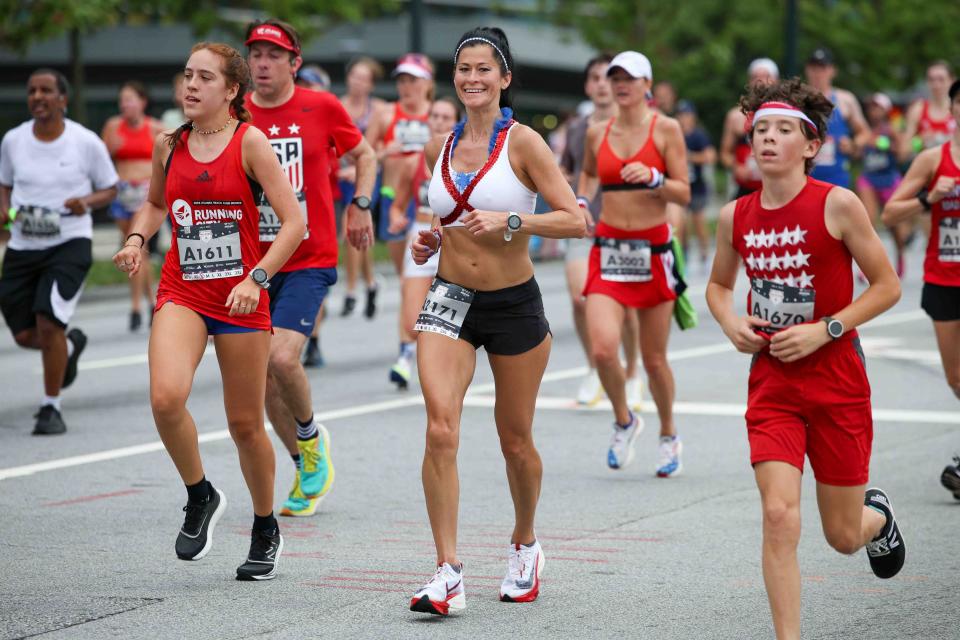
(129, 138)
(208, 174)
(930, 120)
(933, 185)
(640, 160)
(808, 393)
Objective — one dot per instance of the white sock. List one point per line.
(53, 401)
(70, 347)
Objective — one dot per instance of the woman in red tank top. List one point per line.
(129, 138)
(808, 394)
(929, 120)
(640, 161)
(933, 185)
(214, 282)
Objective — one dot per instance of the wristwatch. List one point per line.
(514, 222)
(834, 327)
(259, 277)
(922, 197)
(361, 202)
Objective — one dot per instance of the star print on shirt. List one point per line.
(294, 128)
(805, 281)
(274, 130)
(750, 239)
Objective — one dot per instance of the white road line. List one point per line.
(693, 408)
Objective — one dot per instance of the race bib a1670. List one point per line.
(444, 309)
(782, 305)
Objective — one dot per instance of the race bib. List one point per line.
(413, 135)
(444, 309)
(132, 196)
(270, 223)
(828, 153)
(209, 251)
(876, 161)
(38, 222)
(625, 260)
(949, 242)
(782, 305)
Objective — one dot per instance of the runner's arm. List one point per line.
(5, 192)
(676, 182)
(905, 148)
(587, 183)
(95, 200)
(858, 124)
(904, 204)
(728, 141)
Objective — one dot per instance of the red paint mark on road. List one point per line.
(814, 578)
(479, 545)
(416, 574)
(551, 557)
(327, 585)
(307, 554)
(99, 496)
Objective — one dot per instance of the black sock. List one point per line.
(200, 492)
(296, 460)
(313, 341)
(306, 430)
(265, 524)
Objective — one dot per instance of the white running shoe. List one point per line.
(590, 390)
(443, 595)
(400, 372)
(635, 393)
(668, 457)
(621, 444)
(524, 565)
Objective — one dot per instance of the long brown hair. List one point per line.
(235, 72)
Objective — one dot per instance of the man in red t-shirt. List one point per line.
(302, 126)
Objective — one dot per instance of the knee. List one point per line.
(443, 437)
(246, 431)
(48, 332)
(605, 354)
(656, 365)
(579, 305)
(167, 402)
(781, 521)
(846, 541)
(26, 339)
(283, 364)
(517, 448)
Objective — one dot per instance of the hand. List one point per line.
(392, 149)
(128, 259)
(398, 220)
(244, 298)
(635, 173)
(359, 227)
(479, 222)
(799, 341)
(423, 248)
(77, 206)
(845, 144)
(941, 189)
(742, 333)
(588, 220)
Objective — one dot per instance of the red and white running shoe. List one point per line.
(444, 593)
(522, 582)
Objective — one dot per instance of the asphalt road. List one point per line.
(89, 519)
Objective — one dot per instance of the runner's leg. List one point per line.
(288, 388)
(779, 485)
(605, 327)
(654, 333)
(948, 341)
(52, 341)
(847, 524)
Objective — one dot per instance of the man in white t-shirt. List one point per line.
(53, 172)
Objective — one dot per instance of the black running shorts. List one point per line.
(941, 303)
(46, 281)
(506, 322)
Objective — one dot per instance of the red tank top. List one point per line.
(412, 131)
(940, 129)
(942, 263)
(609, 164)
(216, 237)
(798, 272)
(137, 144)
(743, 155)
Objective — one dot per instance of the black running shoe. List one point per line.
(196, 534)
(49, 422)
(264, 557)
(886, 551)
(370, 309)
(312, 357)
(79, 340)
(349, 303)
(950, 478)
(136, 321)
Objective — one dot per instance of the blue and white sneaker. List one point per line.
(668, 457)
(620, 453)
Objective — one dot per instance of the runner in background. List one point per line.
(597, 87)
(173, 117)
(701, 156)
(362, 75)
(735, 152)
(929, 122)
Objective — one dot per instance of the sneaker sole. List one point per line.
(325, 489)
(213, 523)
(534, 593)
(303, 513)
(399, 380)
(245, 577)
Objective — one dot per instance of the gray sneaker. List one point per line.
(49, 422)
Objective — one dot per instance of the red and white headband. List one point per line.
(781, 109)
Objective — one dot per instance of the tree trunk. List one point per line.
(78, 106)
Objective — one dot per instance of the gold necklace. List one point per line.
(211, 131)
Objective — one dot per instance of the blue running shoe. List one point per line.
(668, 457)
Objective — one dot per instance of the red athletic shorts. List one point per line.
(639, 295)
(818, 406)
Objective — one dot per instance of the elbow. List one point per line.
(580, 228)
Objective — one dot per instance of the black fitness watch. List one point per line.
(922, 197)
(361, 202)
(259, 277)
(834, 327)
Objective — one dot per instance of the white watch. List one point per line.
(514, 222)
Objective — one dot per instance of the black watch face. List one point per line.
(362, 202)
(514, 223)
(259, 276)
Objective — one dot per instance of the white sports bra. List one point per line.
(498, 189)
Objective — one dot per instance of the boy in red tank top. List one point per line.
(808, 390)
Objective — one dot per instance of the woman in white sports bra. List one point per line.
(486, 176)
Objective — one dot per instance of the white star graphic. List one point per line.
(750, 239)
(294, 128)
(790, 281)
(799, 235)
(783, 238)
(787, 260)
(774, 262)
(805, 281)
(274, 130)
(802, 259)
(768, 239)
(761, 262)
(752, 262)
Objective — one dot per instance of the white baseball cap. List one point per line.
(634, 63)
(765, 64)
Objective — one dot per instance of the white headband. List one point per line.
(783, 110)
(485, 41)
